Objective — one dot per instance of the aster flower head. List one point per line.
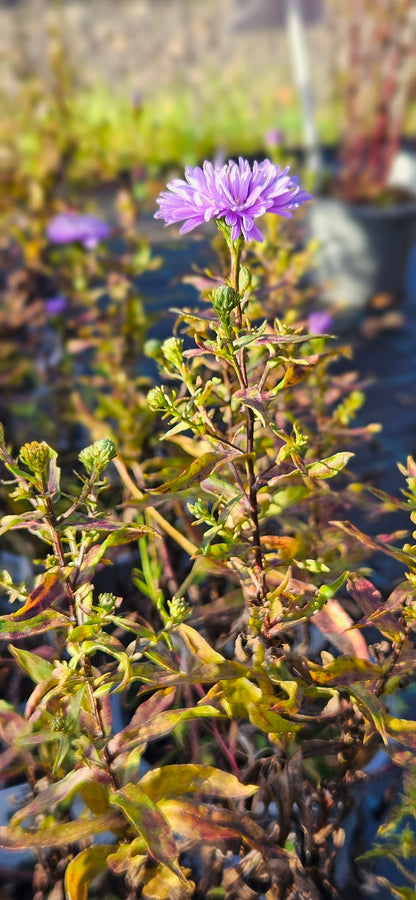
(55, 306)
(320, 322)
(235, 194)
(68, 227)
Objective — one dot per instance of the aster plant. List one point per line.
(234, 195)
(261, 730)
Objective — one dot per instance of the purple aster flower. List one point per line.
(55, 305)
(68, 227)
(320, 322)
(234, 193)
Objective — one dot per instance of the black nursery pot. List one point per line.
(363, 251)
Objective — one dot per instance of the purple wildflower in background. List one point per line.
(274, 137)
(67, 227)
(55, 305)
(320, 322)
(234, 192)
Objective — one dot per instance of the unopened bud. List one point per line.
(37, 456)
(172, 351)
(224, 299)
(98, 455)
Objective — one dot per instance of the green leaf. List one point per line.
(37, 668)
(83, 868)
(199, 469)
(270, 722)
(174, 780)
(327, 468)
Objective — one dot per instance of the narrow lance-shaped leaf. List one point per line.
(10, 629)
(37, 668)
(51, 590)
(62, 790)
(199, 469)
(58, 835)
(175, 780)
(327, 468)
(162, 724)
(151, 825)
(211, 824)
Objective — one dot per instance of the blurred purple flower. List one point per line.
(55, 305)
(68, 227)
(320, 322)
(234, 192)
(274, 137)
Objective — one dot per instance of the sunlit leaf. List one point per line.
(174, 780)
(151, 825)
(163, 884)
(51, 590)
(199, 469)
(38, 668)
(345, 670)
(327, 468)
(59, 834)
(83, 868)
(62, 790)
(199, 647)
(10, 629)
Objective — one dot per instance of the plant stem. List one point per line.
(235, 251)
(76, 615)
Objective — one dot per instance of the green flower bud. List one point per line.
(108, 602)
(37, 456)
(172, 351)
(98, 455)
(156, 398)
(179, 609)
(224, 299)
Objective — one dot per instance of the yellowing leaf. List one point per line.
(151, 824)
(163, 884)
(175, 780)
(60, 834)
(61, 790)
(10, 628)
(81, 870)
(198, 646)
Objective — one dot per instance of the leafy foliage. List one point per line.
(234, 698)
